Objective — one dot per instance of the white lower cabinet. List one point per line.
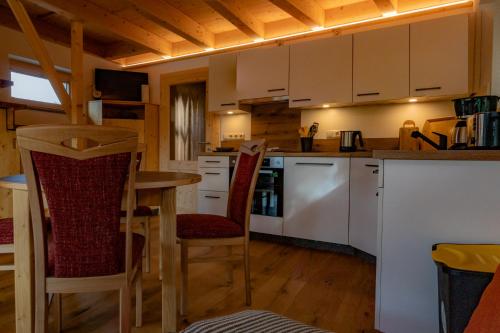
(212, 202)
(214, 186)
(363, 204)
(316, 199)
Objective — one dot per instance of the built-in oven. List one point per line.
(267, 206)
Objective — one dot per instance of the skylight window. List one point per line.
(33, 88)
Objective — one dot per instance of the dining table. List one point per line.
(159, 184)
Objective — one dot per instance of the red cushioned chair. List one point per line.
(82, 171)
(6, 241)
(214, 230)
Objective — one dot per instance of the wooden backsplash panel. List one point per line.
(277, 124)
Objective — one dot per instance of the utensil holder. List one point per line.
(306, 144)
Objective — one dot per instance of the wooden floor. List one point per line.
(328, 290)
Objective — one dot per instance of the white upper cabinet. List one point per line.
(381, 64)
(321, 72)
(222, 83)
(439, 57)
(263, 72)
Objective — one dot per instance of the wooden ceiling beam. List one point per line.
(41, 53)
(386, 6)
(121, 49)
(232, 11)
(51, 33)
(308, 12)
(176, 21)
(89, 12)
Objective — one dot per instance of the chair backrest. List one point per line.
(245, 176)
(82, 171)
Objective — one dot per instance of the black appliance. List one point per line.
(348, 141)
(443, 139)
(268, 195)
(119, 85)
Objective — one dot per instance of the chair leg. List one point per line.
(184, 278)
(58, 312)
(41, 312)
(229, 265)
(138, 298)
(125, 309)
(147, 245)
(248, 288)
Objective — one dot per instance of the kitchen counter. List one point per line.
(458, 155)
(299, 154)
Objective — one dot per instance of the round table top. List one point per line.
(144, 180)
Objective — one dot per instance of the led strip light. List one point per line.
(313, 30)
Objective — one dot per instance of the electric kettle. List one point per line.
(348, 141)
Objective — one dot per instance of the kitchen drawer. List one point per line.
(213, 161)
(214, 179)
(212, 202)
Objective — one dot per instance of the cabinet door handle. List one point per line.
(371, 165)
(227, 104)
(276, 89)
(376, 194)
(430, 88)
(212, 173)
(312, 163)
(375, 172)
(212, 161)
(301, 100)
(369, 94)
(211, 197)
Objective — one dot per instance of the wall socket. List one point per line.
(332, 134)
(234, 136)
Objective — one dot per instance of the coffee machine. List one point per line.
(478, 123)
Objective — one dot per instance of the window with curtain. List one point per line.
(187, 120)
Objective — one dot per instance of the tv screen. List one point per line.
(119, 85)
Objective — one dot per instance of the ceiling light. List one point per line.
(230, 112)
(317, 28)
(208, 49)
(326, 105)
(258, 40)
(390, 14)
(413, 100)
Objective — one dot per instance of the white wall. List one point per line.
(14, 42)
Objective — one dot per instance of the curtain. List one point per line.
(187, 128)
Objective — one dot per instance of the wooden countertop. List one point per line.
(367, 154)
(458, 155)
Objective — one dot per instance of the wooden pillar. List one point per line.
(78, 112)
(40, 52)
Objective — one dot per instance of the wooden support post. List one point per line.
(78, 114)
(41, 52)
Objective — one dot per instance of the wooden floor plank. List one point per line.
(329, 290)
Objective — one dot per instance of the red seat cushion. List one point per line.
(140, 211)
(6, 231)
(190, 226)
(93, 270)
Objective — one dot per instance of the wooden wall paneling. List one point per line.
(151, 117)
(277, 124)
(10, 165)
(329, 145)
(78, 114)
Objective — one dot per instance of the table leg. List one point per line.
(168, 239)
(23, 261)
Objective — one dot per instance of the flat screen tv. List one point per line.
(119, 85)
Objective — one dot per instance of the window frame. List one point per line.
(37, 71)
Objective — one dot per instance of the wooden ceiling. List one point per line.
(137, 31)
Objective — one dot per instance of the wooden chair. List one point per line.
(200, 230)
(82, 171)
(6, 241)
